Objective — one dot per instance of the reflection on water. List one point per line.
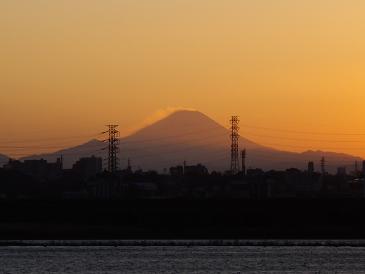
(197, 259)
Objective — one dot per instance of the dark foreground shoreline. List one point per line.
(202, 220)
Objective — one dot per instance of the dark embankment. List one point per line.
(183, 219)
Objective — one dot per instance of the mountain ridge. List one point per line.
(3, 159)
(194, 137)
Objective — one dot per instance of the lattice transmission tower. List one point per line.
(234, 144)
(113, 148)
(243, 161)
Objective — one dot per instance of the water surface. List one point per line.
(182, 259)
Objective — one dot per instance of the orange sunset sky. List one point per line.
(292, 70)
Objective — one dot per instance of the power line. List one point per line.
(186, 134)
(309, 147)
(306, 139)
(11, 141)
(177, 136)
(304, 132)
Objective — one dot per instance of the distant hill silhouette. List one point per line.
(3, 159)
(193, 137)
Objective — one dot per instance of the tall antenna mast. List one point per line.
(113, 148)
(243, 156)
(234, 144)
(323, 166)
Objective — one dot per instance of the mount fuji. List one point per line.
(193, 137)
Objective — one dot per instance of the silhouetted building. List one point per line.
(144, 189)
(310, 167)
(105, 188)
(177, 171)
(13, 165)
(239, 189)
(197, 170)
(341, 171)
(88, 167)
(38, 169)
(356, 188)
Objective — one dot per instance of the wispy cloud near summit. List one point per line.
(159, 115)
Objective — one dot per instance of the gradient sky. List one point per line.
(69, 67)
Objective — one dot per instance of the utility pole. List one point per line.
(129, 165)
(310, 168)
(243, 156)
(113, 148)
(234, 144)
(323, 166)
(61, 159)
